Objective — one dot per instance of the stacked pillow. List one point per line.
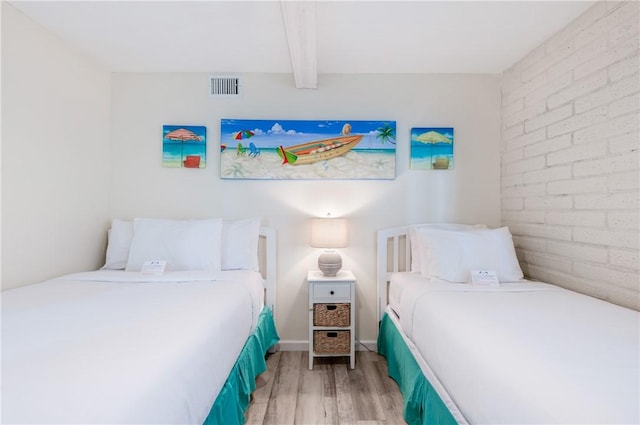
(450, 252)
(208, 244)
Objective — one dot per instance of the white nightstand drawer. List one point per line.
(332, 291)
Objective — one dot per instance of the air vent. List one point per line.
(224, 86)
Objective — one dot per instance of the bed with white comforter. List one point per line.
(127, 344)
(513, 353)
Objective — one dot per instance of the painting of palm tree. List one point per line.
(387, 134)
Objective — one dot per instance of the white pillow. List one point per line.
(183, 244)
(452, 255)
(240, 244)
(119, 240)
(417, 248)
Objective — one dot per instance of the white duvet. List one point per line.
(110, 347)
(527, 352)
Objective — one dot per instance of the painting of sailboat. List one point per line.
(307, 149)
(432, 148)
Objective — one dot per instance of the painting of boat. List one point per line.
(318, 150)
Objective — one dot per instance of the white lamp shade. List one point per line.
(328, 232)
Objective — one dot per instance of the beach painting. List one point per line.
(184, 146)
(307, 149)
(432, 148)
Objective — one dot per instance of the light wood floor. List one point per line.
(289, 393)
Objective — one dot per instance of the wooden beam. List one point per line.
(299, 19)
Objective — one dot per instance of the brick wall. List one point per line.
(570, 165)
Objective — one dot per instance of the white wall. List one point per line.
(142, 103)
(55, 154)
(570, 155)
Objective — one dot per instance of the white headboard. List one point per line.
(394, 255)
(267, 261)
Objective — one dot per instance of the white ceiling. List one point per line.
(351, 36)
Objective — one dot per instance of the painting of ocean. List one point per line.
(307, 149)
(432, 148)
(184, 146)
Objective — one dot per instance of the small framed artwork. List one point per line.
(432, 148)
(184, 146)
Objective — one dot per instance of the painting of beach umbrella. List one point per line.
(184, 146)
(432, 148)
(242, 134)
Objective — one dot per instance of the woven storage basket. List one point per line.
(332, 342)
(331, 314)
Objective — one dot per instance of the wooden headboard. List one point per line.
(394, 255)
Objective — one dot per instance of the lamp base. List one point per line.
(329, 263)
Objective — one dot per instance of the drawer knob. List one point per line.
(332, 292)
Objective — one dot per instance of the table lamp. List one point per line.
(329, 233)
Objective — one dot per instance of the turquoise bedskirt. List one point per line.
(422, 405)
(234, 398)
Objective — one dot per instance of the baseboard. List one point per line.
(298, 345)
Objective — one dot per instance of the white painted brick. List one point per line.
(624, 258)
(580, 56)
(547, 174)
(578, 89)
(584, 21)
(525, 88)
(608, 275)
(534, 163)
(546, 231)
(624, 68)
(548, 118)
(512, 203)
(524, 190)
(608, 94)
(514, 180)
(576, 218)
(616, 238)
(613, 19)
(607, 201)
(511, 133)
(514, 107)
(624, 220)
(529, 244)
(624, 30)
(577, 153)
(548, 203)
(570, 187)
(578, 251)
(548, 145)
(511, 80)
(513, 156)
(525, 114)
(624, 181)
(577, 122)
(625, 143)
(622, 125)
(536, 55)
(525, 139)
(548, 261)
(608, 165)
(611, 56)
(625, 105)
(549, 88)
(523, 216)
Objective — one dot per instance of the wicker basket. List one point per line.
(331, 314)
(332, 342)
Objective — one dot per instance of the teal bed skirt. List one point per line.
(422, 405)
(235, 395)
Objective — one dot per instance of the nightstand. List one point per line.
(332, 302)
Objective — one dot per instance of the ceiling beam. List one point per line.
(299, 19)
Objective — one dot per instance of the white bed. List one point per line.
(520, 352)
(116, 346)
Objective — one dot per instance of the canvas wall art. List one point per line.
(184, 146)
(307, 149)
(432, 148)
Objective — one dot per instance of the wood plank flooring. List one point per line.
(289, 393)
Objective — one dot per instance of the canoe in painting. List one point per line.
(318, 150)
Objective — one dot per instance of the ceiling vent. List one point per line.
(225, 86)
